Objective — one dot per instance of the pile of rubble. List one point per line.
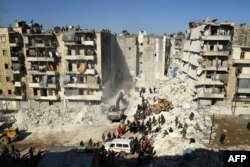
(185, 117)
(54, 116)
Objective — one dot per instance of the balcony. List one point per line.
(209, 83)
(210, 96)
(19, 83)
(213, 68)
(87, 72)
(39, 85)
(215, 53)
(14, 58)
(82, 85)
(216, 38)
(243, 76)
(79, 57)
(56, 97)
(36, 72)
(84, 97)
(88, 43)
(41, 59)
(243, 90)
(16, 72)
(14, 44)
(241, 61)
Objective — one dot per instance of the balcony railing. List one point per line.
(215, 53)
(79, 57)
(217, 37)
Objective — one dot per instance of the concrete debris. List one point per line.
(54, 116)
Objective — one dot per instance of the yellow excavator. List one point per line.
(7, 135)
(162, 105)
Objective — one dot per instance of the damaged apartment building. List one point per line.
(239, 76)
(85, 64)
(12, 67)
(205, 60)
(70, 65)
(42, 67)
(144, 56)
(175, 53)
(214, 63)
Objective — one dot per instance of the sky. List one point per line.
(154, 16)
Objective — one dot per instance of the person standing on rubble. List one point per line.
(103, 137)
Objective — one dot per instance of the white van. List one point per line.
(119, 145)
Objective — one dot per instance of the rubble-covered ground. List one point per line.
(67, 127)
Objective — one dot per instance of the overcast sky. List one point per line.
(154, 16)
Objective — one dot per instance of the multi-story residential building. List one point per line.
(239, 76)
(205, 60)
(176, 50)
(42, 64)
(12, 77)
(152, 58)
(85, 60)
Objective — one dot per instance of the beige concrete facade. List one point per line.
(205, 61)
(239, 82)
(12, 77)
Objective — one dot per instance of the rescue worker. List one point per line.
(165, 133)
(90, 143)
(222, 138)
(184, 132)
(163, 120)
(103, 137)
(109, 136)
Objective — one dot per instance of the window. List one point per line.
(2, 39)
(6, 66)
(125, 145)
(50, 103)
(35, 90)
(242, 55)
(1, 91)
(211, 47)
(5, 52)
(141, 44)
(9, 92)
(118, 145)
(129, 48)
(8, 79)
(112, 145)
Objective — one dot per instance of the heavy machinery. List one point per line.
(7, 135)
(162, 105)
(115, 113)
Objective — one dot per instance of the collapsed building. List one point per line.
(68, 66)
(214, 63)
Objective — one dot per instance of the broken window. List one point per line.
(211, 47)
(242, 55)
(1, 91)
(9, 92)
(35, 91)
(70, 66)
(5, 52)
(2, 38)
(6, 66)
(8, 79)
(69, 51)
